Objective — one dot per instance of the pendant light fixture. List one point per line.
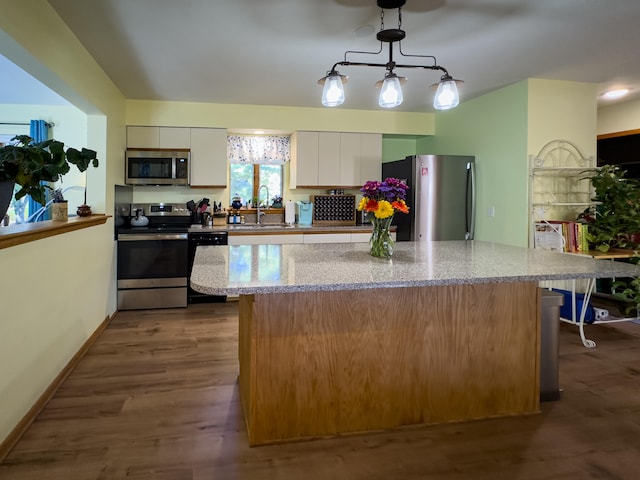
(390, 90)
(333, 91)
(446, 96)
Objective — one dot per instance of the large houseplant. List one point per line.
(615, 219)
(615, 222)
(30, 164)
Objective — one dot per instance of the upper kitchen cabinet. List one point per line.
(143, 137)
(370, 157)
(329, 159)
(158, 137)
(350, 150)
(208, 157)
(175, 137)
(303, 167)
(334, 159)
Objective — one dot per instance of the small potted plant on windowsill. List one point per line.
(276, 202)
(84, 210)
(59, 207)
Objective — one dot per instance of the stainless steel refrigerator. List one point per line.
(441, 197)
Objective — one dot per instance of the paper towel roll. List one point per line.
(290, 212)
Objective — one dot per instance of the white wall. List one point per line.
(562, 110)
(55, 292)
(620, 117)
(52, 297)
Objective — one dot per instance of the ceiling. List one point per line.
(272, 52)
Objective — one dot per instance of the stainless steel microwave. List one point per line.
(157, 167)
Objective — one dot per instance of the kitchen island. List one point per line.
(334, 341)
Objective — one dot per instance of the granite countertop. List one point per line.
(248, 269)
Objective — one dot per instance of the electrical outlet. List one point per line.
(491, 212)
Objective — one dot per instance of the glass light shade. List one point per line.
(333, 91)
(446, 95)
(390, 92)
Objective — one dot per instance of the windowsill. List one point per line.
(29, 232)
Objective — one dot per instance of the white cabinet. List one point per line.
(209, 157)
(360, 237)
(158, 137)
(274, 239)
(334, 159)
(143, 137)
(174, 137)
(350, 152)
(360, 158)
(365, 237)
(328, 238)
(370, 157)
(328, 159)
(304, 159)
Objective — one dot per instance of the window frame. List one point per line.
(256, 182)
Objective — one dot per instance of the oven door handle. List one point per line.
(142, 237)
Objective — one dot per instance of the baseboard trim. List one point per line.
(19, 430)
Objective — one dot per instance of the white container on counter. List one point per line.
(290, 213)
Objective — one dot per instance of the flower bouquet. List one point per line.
(380, 202)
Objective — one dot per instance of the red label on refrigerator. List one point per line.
(425, 171)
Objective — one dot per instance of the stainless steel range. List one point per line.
(153, 257)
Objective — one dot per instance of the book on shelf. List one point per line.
(561, 236)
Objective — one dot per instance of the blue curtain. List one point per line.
(39, 132)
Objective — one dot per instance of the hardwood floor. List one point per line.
(156, 397)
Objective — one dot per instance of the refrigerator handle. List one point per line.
(470, 201)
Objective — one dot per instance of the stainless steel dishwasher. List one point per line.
(204, 238)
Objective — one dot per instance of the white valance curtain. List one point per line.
(270, 150)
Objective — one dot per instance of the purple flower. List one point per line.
(391, 189)
(370, 188)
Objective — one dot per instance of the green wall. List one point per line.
(395, 147)
(493, 128)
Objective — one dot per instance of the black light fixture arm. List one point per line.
(389, 66)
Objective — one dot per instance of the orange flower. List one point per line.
(371, 206)
(400, 206)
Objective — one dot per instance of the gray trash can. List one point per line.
(549, 350)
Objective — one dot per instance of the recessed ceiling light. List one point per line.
(614, 94)
(363, 31)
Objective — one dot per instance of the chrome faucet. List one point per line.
(258, 212)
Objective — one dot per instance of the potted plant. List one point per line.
(615, 222)
(84, 210)
(276, 202)
(615, 219)
(29, 164)
(59, 207)
(627, 290)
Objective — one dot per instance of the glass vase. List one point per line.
(381, 243)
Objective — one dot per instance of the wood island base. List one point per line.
(325, 363)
